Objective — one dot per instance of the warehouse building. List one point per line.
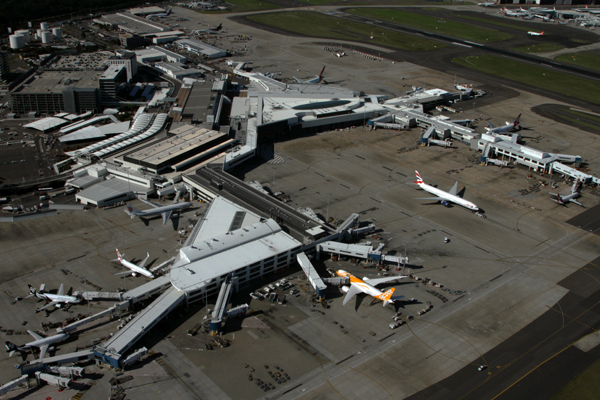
(200, 48)
(154, 53)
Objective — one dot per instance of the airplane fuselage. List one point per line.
(44, 342)
(160, 210)
(58, 298)
(447, 196)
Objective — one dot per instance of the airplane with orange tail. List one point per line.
(367, 286)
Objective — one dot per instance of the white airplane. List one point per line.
(367, 286)
(209, 30)
(514, 13)
(54, 299)
(41, 342)
(342, 54)
(445, 197)
(563, 200)
(134, 268)
(160, 15)
(509, 127)
(532, 33)
(487, 4)
(315, 80)
(582, 10)
(166, 211)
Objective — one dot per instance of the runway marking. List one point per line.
(541, 242)
(574, 319)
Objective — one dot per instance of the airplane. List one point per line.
(444, 197)
(161, 15)
(487, 4)
(563, 200)
(134, 268)
(54, 299)
(509, 127)
(209, 30)
(315, 80)
(367, 286)
(41, 342)
(532, 33)
(514, 13)
(166, 211)
(582, 10)
(342, 54)
(463, 87)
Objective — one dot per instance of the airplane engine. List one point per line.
(365, 278)
(59, 305)
(133, 274)
(345, 289)
(445, 203)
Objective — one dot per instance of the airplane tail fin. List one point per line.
(31, 290)
(131, 211)
(321, 74)
(387, 296)
(119, 256)
(542, 34)
(10, 348)
(517, 121)
(419, 179)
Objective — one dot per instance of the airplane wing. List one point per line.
(378, 281)
(35, 335)
(454, 189)
(166, 215)
(43, 350)
(353, 291)
(150, 203)
(491, 125)
(61, 290)
(52, 303)
(576, 202)
(123, 273)
(430, 198)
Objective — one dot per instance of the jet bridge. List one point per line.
(219, 311)
(311, 274)
(112, 351)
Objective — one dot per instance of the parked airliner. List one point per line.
(532, 33)
(367, 286)
(54, 299)
(444, 197)
(134, 268)
(570, 198)
(315, 80)
(41, 342)
(166, 211)
(509, 127)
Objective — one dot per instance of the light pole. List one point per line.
(273, 185)
(327, 217)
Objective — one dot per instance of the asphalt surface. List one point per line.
(540, 359)
(588, 220)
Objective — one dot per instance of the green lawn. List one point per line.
(433, 24)
(585, 387)
(324, 26)
(544, 78)
(247, 5)
(586, 60)
(539, 48)
(491, 21)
